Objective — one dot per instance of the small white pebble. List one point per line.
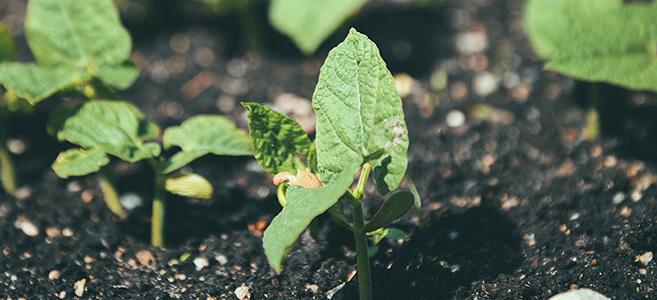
(312, 287)
(455, 118)
(200, 263)
(130, 201)
(16, 146)
(67, 232)
(26, 226)
(618, 198)
(243, 292)
(80, 287)
(221, 259)
(485, 83)
(54, 275)
(645, 258)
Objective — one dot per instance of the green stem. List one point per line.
(355, 198)
(593, 114)
(362, 257)
(158, 214)
(249, 22)
(110, 194)
(7, 169)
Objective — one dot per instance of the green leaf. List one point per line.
(337, 213)
(189, 185)
(7, 44)
(78, 162)
(277, 140)
(394, 233)
(202, 135)
(302, 207)
(359, 113)
(115, 127)
(83, 34)
(392, 209)
(34, 82)
(549, 22)
(309, 23)
(601, 48)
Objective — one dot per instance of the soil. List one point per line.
(516, 203)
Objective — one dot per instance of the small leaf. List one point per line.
(78, 162)
(7, 44)
(81, 34)
(549, 22)
(120, 75)
(359, 112)
(392, 208)
(115, 127)
(202, 135)
(34, 82)
(309, 23)
(600, 48)
(277, 139)
(302, 207)
(394, 233)
(189, 185)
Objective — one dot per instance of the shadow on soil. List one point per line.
(479, 243)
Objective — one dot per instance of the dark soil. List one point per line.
(516, 203)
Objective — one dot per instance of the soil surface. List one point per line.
(516, 203)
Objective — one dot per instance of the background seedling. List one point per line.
(116, 128)
(79, 47)
(598, 41)
(360, 130)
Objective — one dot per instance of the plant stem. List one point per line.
(159, 209)
(593, 114)
(7, 170)
(362, 256)
(110, 194)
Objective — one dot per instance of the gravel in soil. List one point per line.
(516, 203)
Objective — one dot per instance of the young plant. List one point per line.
(309, 23)
(598, 41)
(360, 130)
(80, 47)
(105, 128)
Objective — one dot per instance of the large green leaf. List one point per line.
(309, 23)
(115, 127)
(85, 34)
(618, 47)
(392, 209)
(78, 162)
(34, 82)
(202, 135)
(7, 44)
(302, 207)
(549, 22)
(277, 139)
(359, 113)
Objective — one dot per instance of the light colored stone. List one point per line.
(243, 292)
(455, 118)
(54, 275)
(26, 226)
(145, 257)
(200, 263)
(79, 287)
(485, 83)
(645, 258)
(581, 294)
(130, 201)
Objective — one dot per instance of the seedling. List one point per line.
(105, 128)
(360, 130)
(598, 41)
(80, 47)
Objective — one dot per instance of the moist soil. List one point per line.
(516, 203)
